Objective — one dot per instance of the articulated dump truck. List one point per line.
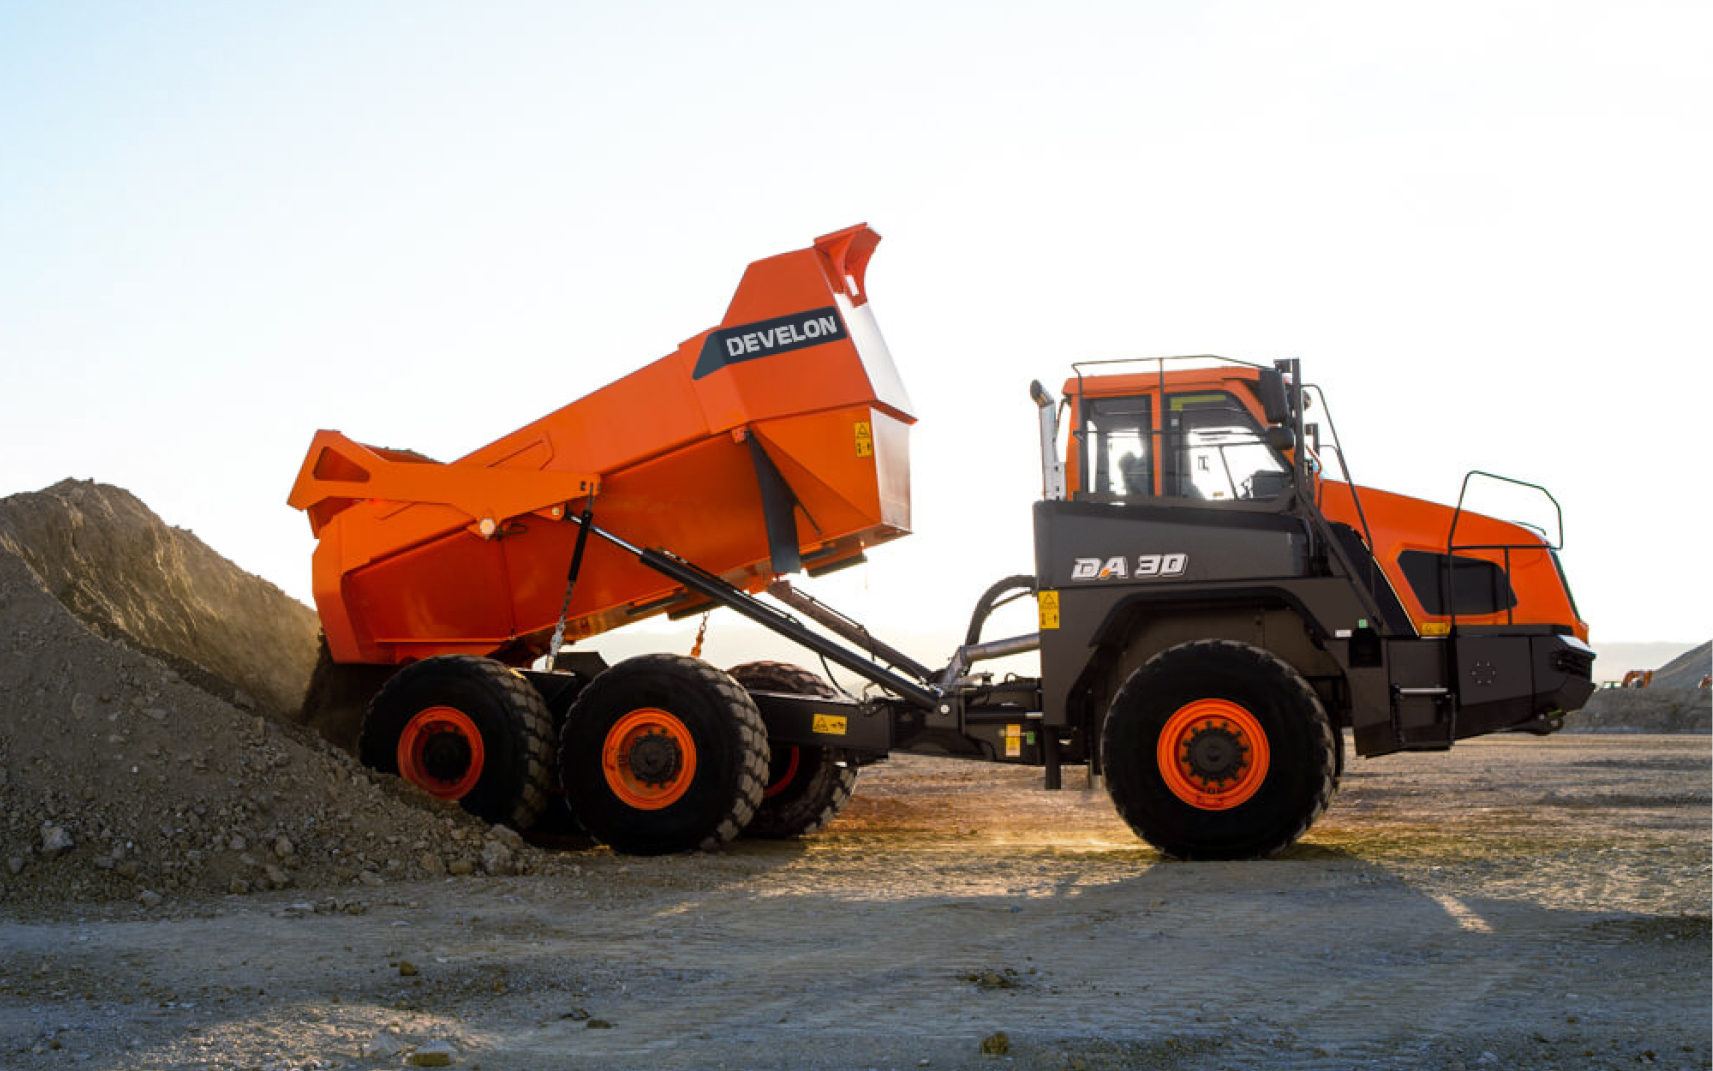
(1216, 610)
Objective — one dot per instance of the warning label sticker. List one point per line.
(1047, 603)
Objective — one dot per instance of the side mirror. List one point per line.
(1280, 438)
(1275, 403)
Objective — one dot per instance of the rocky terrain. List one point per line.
(1517, 903)
(128, 576)
(148, 690)
(1674, 702)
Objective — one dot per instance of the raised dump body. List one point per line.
(772, 442)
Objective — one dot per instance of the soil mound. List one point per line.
(124, 777)
(1686, 671)
(126, 574)
(1674, 702)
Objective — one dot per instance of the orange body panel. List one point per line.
(1399, 523)
(416, 558)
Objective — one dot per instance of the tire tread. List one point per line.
(528, 723)
(1324, 777)
(827, 788)
(749, 752)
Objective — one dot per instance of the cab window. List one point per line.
(1117, 438)
(1214, 451)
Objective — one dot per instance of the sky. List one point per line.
(1483, 228)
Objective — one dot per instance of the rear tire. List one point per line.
(1218, 750)
(466, 729)
(662, 754)
(806, 788)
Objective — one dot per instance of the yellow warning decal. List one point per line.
(1013, 741)
(864, 439)
(829, 725)
(1047, 602)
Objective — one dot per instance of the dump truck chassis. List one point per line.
(1129, 641)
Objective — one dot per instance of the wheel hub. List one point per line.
(446, 755)
(1215, 754)
(441, 750)
(655, 758)
(649, 759)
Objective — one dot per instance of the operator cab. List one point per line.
(1200, 433)
(1216, 433)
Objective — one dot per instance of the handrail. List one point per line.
(1159, 362)
(1376, 574)
(1452, 546)
(1558, 512)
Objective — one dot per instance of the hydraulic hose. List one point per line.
(994, 597)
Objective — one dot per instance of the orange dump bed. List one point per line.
(789, 412)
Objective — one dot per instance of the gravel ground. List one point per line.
(1515, 903)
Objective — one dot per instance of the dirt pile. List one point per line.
(127, 574)
(125, 777)
(1673, 703)
(1686, 671)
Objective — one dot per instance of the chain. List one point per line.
(701, 634)
(559, 628)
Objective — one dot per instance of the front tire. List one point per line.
(806, 788)
(466, 729)
(1218, 750)
(663, 754)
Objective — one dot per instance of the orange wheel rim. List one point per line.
(1213, 754)
(649, 759)
(441, 751)
(782, 780)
